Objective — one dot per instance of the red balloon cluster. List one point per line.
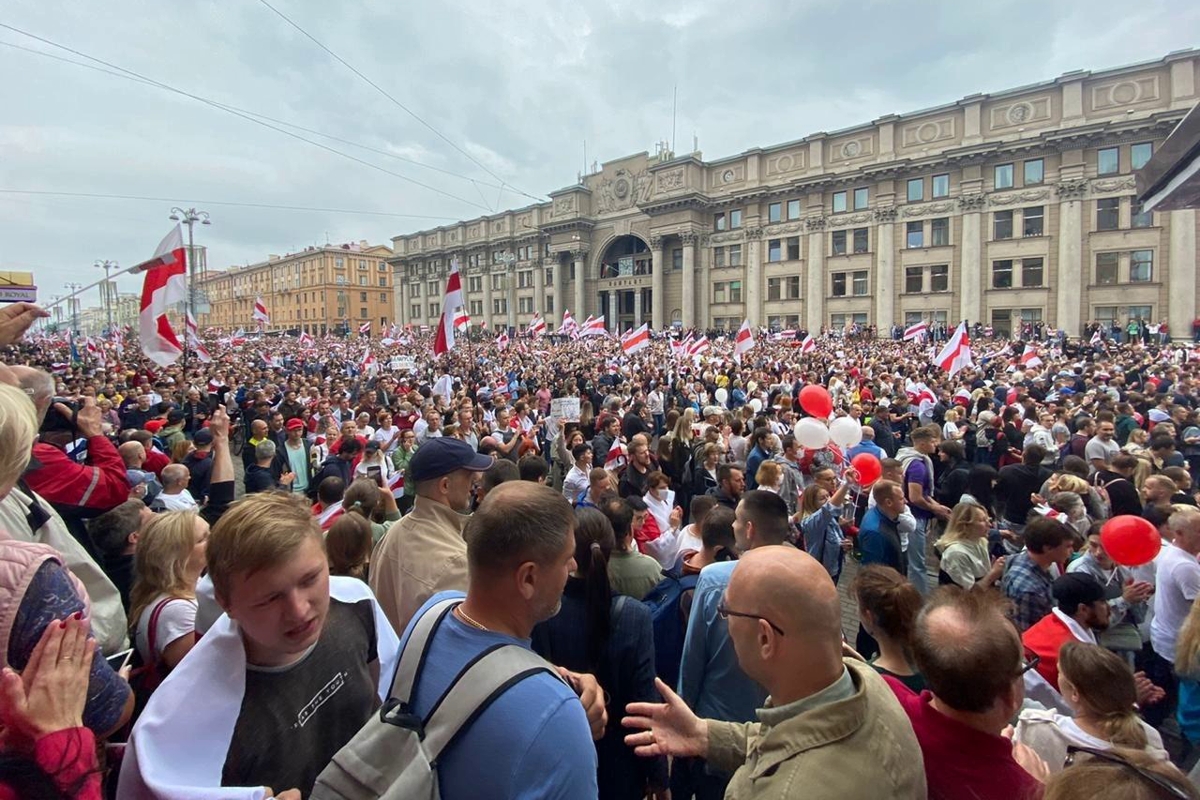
(1130, 541)
(816, 401)
(868, 467)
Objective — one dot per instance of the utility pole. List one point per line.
(107, 295)
(189, 217)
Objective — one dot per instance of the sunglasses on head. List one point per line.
(1159, 781)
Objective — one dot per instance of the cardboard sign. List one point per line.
(565, 409)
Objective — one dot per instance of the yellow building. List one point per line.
(318, 290)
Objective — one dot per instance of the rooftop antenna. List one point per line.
(695, 143)
(674, 108)
(584, 158)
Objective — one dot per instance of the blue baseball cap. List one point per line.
(443, 455)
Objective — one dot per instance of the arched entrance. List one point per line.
(625, 284)
(625, 256)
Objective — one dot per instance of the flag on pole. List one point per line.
(1030, 356)
(444, 338)
(165, 285)
(636, 340)
(569, 326)
(957, 353)
(193, 339)
(502, 341)
(744, 341)
(462, 320)
(368, 361)
(917, 332)
(617, 456)
(1096, 338)
(699, 346)
(808, 345)
(537, 325)
(365, 329)
(260, 314)
(594, 326)
(306, 340)
(678, 349)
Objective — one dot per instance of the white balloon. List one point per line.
(812, 434)
(845, 431)
(722, 395)
(756, 404)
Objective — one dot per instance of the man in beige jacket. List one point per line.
(831, 727)
(424, 552)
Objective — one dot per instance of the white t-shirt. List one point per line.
(1177, 583)
(384, 437)
(178, 502)
(177, 619)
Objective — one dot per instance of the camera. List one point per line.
(55, 421)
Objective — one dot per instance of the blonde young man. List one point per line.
(281, 681)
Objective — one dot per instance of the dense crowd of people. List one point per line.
(554, 568)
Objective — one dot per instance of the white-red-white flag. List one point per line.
(744, 341)
(462, 320)
(502, 341)
(569, 325)
(396, 483)
(365, 329)
(537, 325)
(164, 286)
(306, 340)
(808, 345)
(594, 326)
(193, 338)
(1096, 338)
(368, 361)
(957, 353)
(443, 339)
(635, 340)
(699, 346)
(1029, 357)
(260, 313)
(916, 332)
(616, 457)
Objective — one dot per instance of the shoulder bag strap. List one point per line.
(490, 675)
(413, 657)
(152, 669)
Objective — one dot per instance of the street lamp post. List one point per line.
(107, 296)
(73, 308)
(189, 217)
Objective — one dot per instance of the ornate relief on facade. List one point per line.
(525, 221)
(927, 132)
(670, 180)
(851, 149)
(786, 162)
(973, 202)
(624, 190)
(783, 228)
(843, 220)
(886, 214)
(452, 236)
(722, 238)
(1022, 112)
(1114, 184)
(930, 208)
(474, 232)
(815, 223)
(1072, 189)
(726, 176)
(1127, 92)
(565, 205)
(1019, 198)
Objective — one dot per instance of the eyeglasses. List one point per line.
(1112, 758)
(725, 613)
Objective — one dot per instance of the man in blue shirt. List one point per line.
(534, 740)
(710, 680)
(867, 445)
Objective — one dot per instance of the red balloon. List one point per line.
(816, 401)
(1130, 541)
(868, 467)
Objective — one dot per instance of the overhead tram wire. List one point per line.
(398, 104)
(229, 107)
(101, 196)
(214, 104)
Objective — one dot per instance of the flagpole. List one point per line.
(189, 217)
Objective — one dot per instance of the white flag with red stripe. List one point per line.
(502, 341)
(306, 340)
(616, 457)
(1029, 357)
(957, 353)
(327, 517)
(443, 339)
(260, 313)
(744, 341)
(916, 332)
(635, 340)
(699, 346)
(165, 285)
(569, 325)
(462, 320)
(395, 482)
(1096, 338)
(537, 325)
(594, 326)
(193, 337)
(365, 329)
(808, 345)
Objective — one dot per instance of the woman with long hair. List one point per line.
(704, 469)
(888, 606)
(963, 549)
(348, 545)
(611, 637)
(1118, 774)
(819, 520)
(1099, 685)
(374, 503)
(162, 604)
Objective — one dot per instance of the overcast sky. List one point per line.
(517, 87)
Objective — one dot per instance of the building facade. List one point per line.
(318, 290)
(1016, 205)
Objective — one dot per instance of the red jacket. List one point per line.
(99, 484)
(1045, 638)
(69, 758)
(155, 462)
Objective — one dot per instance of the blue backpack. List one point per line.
(669, 625)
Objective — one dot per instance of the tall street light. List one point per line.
(73, 309)
(107, 295)
(189, 217)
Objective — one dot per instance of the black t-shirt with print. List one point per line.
(294, 719)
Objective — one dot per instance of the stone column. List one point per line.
(510, 275)
(539, 290)
(689, 279)
(401, 306)
(1070, 255)
(613, 313)
(580, 260)
(702, 310)
(637, 307)
(814, 300)
(885, 268)
(754, 276)
(1181, 274)
(487, 297)
(657, 284)
(971, 266)
(556, 286)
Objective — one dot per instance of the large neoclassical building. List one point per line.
(1002, 207)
